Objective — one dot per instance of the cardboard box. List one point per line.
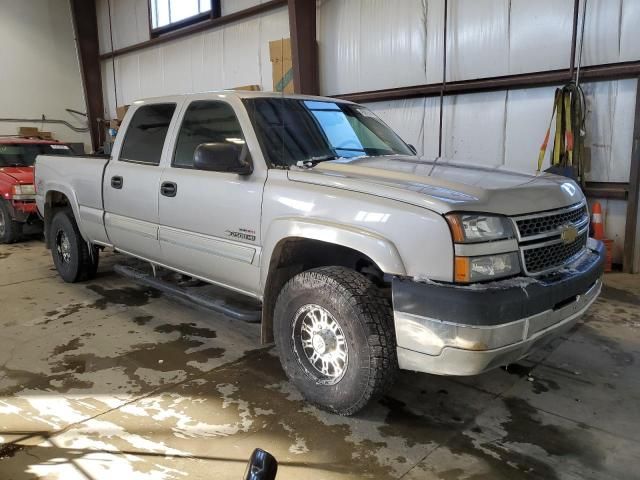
(250, 88)
(282, 68)
(121, 111)
(34, 132)
(28, 131)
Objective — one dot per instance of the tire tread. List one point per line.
(375, 312)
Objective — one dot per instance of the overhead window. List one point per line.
(167, 15)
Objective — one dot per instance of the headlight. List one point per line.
(488, 267)
(472, 228)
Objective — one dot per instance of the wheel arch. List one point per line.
(56, 199)
(295, 245)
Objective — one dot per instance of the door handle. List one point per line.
(168, 189)
(116, 182)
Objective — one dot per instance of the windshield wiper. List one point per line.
(313, 161)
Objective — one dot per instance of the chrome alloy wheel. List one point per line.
(319, 344)
(63, 247)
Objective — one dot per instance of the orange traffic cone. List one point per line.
(596, 221)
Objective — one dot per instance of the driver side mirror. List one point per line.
(223, 157)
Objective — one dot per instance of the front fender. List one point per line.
(379, 249)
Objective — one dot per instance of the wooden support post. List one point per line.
(85, 24)
(304, 50)
(631, 225)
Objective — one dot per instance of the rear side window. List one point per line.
(206, 121)
(146, 133)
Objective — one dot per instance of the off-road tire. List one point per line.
(82, 264)
(11, 230)
(363, 313)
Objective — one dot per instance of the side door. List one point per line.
(132, 182)
(210, 220)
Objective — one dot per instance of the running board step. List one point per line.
(243, 313)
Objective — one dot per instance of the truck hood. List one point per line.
(446, 186)
(19, 175)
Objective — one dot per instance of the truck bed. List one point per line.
(79, 178)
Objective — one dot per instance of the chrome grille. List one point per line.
(542, 246)
(532, 226)
(543, 258)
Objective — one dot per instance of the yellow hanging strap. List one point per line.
(568, 140)
(545, 143)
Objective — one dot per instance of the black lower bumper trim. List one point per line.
(498, 302)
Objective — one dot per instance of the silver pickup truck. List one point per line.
(365, 258)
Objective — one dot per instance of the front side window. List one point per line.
(168, 15)
(146, 133)
(206, 122)
(292, 130)
(24, 155)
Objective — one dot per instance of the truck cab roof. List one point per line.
(237, 94)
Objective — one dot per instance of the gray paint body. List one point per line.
(389, 208)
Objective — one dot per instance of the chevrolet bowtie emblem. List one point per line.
(568, 234)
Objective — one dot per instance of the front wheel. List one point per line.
(335, 337)
(71, 255)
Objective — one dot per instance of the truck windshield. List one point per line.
(292, 130)
(24, 154)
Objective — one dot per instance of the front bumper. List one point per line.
(466, 330)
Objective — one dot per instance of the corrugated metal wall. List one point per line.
(376, 44)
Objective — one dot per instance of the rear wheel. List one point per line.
(71, 255)
(335, 337)
(10, 230)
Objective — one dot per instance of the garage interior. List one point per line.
(115, 378)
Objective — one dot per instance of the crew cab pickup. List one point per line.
(17, 193)
(365, 257)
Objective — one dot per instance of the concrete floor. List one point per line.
(110, 380)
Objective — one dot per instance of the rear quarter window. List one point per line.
(146, 133)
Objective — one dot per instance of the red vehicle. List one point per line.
(17, 191)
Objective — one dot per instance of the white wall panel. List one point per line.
(129, 20)
(373, 44)
(609, 123)
(39, 72)
(478, 39)
(233, 55)
(150, 71)
(392, 40)
(212, 64)
(230, 6)
(339, 46)
(630, 31)
(540, 35)
(242, 65)
(602, 31)
(176, 68)
(474, 128)
(435, 39)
